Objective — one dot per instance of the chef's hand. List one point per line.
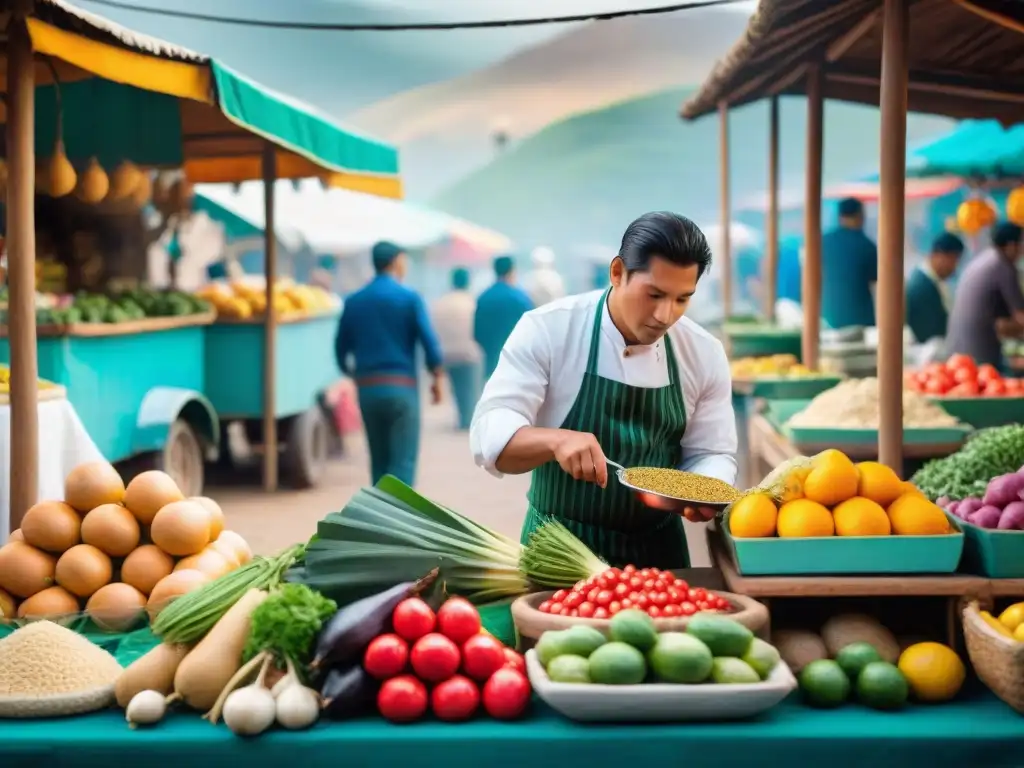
(699, 514)
(435, 388)
(580, 455)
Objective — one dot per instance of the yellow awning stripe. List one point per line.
(221, 170)
(150, 73)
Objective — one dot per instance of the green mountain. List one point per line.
(581, 180)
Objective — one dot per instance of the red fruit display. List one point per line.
(458, 620)
(412, 619)
(402, 699)
(482, 656)
(457, 698)
(506, 694)
(386, 656)
(434, 658)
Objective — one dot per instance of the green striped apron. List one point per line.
(637, 427)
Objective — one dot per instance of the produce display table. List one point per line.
(978, 729)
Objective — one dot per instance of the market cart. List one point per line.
(235, 382)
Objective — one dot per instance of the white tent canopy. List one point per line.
(340, 222)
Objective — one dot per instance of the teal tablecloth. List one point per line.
(977, 731)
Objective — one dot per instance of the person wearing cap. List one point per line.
(929, 295)
(498, 309)
(453, 319)
(849, 268)
(988, 298)
(617, 374)
(382, 327)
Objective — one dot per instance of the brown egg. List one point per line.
(112, 529)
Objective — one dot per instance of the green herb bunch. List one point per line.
(287, 623)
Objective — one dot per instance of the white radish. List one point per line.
(297, 707)
(146, 708)
(249, 711)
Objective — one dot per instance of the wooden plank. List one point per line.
(1006, 587)
(128, 328)
(902, 585)
(288, 319)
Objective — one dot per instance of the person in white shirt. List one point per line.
(543, 283)
(618, 373)
(453, 323)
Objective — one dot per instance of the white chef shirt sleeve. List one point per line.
(709, 444)
(514, 394)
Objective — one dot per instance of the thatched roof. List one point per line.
(966, 56)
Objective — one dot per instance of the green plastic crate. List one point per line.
(784, 388)
(847, 555)
(996, 554)
(839, 437)
(779, 411)
(982, 412)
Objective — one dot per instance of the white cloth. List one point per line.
(544, 285)
(452, 315)
(63, 445)
(542, 365)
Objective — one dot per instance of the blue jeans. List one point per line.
(465, 380)
(391, 417)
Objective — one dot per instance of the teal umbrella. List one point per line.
(975, 148)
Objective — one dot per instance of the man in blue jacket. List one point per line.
(498, 309)
(929, 297)
(849, 267)
(381, 328)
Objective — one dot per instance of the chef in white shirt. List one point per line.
(618, 373)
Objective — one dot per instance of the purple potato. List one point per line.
(943, 501)
(1012, 518)
(1004, 489)
(969, 506)
(953, 507)
(986, 517)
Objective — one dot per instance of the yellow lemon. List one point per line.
(933, 671)
(913, 515)
(861, 517)
(832, 479)
(804, 518)
(1018, 633)
(1013, 616)
(753, 517)
(996, 625)
(878, 483)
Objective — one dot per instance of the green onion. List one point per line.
(188, 618)
(553, 557)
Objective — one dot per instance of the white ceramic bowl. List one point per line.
(659, 702)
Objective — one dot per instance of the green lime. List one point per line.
(855, 656)
(679, 658)
(881, 685)
(569, 669)
(617, 664)
(824, 684)
(551, 644)
(723, 636)
(729, 671)
(635, 628)
(762, 657)
(582, 640)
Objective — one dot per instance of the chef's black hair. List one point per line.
(666, 235)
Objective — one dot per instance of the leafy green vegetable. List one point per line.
(286, 624)
(989, 453)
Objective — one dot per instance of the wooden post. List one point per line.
(270, 453)
(811, 274)
(723, 143)
(21, 271)
(771, 262)
(891, 202)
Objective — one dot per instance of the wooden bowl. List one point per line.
(532, 623)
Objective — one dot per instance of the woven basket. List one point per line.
(998, 660)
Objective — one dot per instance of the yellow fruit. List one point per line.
(793, 485)
(832, 479)
(996, 625)
(1013, 616)
(878, 483)
(909, 487)
(753, 517)
(933, 670)
(913, 515)
(804, 518)
(1018, 633)
(861, 517)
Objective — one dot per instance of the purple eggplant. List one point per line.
(345, 636)
(347, 692)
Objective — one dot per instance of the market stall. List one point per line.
(166, 107)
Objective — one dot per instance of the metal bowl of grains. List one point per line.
(672, 490)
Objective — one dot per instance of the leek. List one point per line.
(554, 557)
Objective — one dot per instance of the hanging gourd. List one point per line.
(975, 215)
(143, 190)
(60, 174)
(123, 180)
(1015, 206)
(94, 183)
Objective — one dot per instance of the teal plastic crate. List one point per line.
(784, 388)
(838, 437)
(996, 554)
(847, 555)
(982, 412)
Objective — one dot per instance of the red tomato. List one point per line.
(681, 585)
(702, 605)
(699, 593)
(621, 590)
(545, 607)
(636, 583)
(614, 573)
(413, 618)
(627, 603)
(386, 656)
(987, 373)
(555, 608)
(688, 608)
(459, 620)
(967, 389)
(482, 656)
(960, 361)
(586, 610)
(641, 601)
(581, 585)
(938, 385)
(961, 375)
(654, 611)
(629, 569)
(592, 594)
(659, 599)
(604, 597)
(660, 585)
(435, 657)
(645, 573)
(565, 612)
(402, 699)
(506, 694)
(560, 595)
(722, 604)
(649, 585)
(671, 610)
(600, 612)
(457, 698)
(573, 600)
(514, 660)
(614, 607)
(674, 595)
(995, 388)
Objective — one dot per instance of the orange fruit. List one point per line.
(909, 487)
(832, 479)
(804, 518)
(878, 483)
(914, 515)
(861, 517)
(753, 517)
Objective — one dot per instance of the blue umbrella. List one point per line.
(975, 148)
